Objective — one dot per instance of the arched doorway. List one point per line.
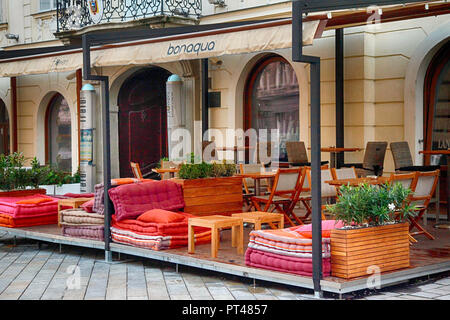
(272, 100)
(437, 101)
(58, 141)
(142, 119)
(4, 129)
(437, 111)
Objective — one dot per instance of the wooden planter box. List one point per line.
(353, 251)
(209, 196)
(22, 193)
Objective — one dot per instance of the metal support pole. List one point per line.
(339, 74)
(106, 141)
(316, 193)
(205, 102)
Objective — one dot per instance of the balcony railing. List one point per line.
(75, 14)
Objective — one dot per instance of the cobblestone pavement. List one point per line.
(29, 271)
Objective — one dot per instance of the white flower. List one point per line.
(391, 207)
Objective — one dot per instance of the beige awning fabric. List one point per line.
(206, 44)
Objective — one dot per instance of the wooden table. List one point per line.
(447, 154)
(259, 217)
(334, 151)
(70, 202)
(215, 223)
(171, 171)
(358, 181)
(257, 176)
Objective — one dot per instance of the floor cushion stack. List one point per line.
(149, 215)
(27, 211)
(82, 224)
(288, 250)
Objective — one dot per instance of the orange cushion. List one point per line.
(34, 201)
(120, 181)
(327, 225)
(160, 216)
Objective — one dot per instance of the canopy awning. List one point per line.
(207, 43)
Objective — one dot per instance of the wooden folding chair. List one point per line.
(327, 190)
(424, 189)
(249, 184)
(305, 195)
(284, 190)
(408, 180)
(136, 170)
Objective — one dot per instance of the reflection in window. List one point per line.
(59, 134)
(275, 103)
(441, 123)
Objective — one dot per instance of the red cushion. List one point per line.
(327, 226)
(87, 206)
(160, 216)
(131, 200)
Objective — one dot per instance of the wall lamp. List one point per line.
(12, 36)
(219, 3)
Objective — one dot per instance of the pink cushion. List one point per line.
(79, 195)
(132, 200)
(160, 216)
(327, 226)
(87, 206)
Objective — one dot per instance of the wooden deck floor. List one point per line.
(427, 257)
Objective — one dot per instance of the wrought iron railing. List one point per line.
(75, 14)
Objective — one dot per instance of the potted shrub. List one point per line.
(16, 179)
(210, 188)
(55, 181)
(375, 233)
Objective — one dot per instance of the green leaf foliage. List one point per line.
(13, 174)
(206, 170)
(372, 205)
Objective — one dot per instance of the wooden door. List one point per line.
(142, 120)
(437, 112)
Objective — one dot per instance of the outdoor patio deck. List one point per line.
(427, 258)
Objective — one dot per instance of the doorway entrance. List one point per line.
(143, 120)
(4, 129)
(437, 112)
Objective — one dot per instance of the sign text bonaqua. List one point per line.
(191, 48)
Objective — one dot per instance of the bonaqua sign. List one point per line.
(191, 48)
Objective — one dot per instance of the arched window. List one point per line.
(4, 129)
(59, 140)
(272, 100)
(437, 103)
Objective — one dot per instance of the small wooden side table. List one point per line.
(259, 217)
(71, 202)
(215, 223)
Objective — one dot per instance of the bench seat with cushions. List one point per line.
(289, 250)
(150, 215)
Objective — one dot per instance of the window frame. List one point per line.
(258, 67)
(48, 118)
(53, 6)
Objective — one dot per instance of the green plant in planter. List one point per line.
(372, 205)
(206, 170)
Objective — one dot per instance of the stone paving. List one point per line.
(32, 272)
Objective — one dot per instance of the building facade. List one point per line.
(390, 72)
